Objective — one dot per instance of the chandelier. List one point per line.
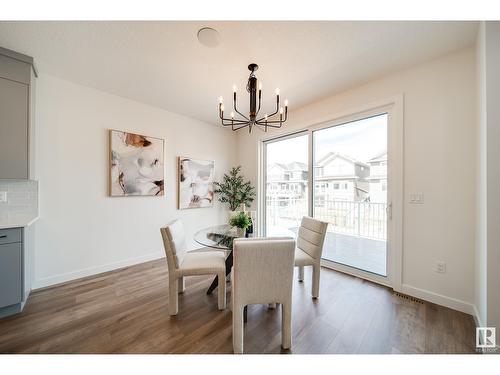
(242, 121)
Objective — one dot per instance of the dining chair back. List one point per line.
(262, 274)
(310, 241)
(311, 236)
(174, 240)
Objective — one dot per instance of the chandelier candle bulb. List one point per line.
(221, 100)
(278, 92)
(232, 115)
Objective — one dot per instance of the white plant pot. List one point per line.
(240, 232)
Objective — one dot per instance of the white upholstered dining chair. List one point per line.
(310, 241)
(262, 274)
(183, 263)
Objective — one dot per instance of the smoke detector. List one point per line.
(209, 37)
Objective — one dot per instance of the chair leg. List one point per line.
(182, 286)
(173, 298)
(315, 280)
(238, 329)
(301, 273)
(286, 325)
(221, 291)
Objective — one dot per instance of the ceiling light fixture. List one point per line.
(242, 121)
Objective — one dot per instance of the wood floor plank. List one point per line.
(126, 311)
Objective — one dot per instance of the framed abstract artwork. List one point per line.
(136, 165)
(196, 183)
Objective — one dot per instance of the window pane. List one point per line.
(354, 157)
(286, 184)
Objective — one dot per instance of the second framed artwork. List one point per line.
(196, 183)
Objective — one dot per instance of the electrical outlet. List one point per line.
(3, 196)
(440, 267)
(417, 198)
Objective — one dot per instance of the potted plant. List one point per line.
(241, 221)
(234, 190)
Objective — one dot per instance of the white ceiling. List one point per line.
(164, 65)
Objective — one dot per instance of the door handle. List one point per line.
(4, 236)
(388, 210)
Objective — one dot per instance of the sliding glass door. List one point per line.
(286, 183)
(338, 172)
(350, 192)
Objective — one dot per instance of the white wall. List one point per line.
(81, 230)
(492, 35)
(488, 178)
(439, 161)
(481, 201)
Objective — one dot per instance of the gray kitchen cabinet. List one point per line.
(14, 135)
(16, 273)
(10, 274)
(17, 75)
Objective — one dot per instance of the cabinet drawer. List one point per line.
(10, 274)
(10, 235)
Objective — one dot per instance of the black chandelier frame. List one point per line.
(263, 123)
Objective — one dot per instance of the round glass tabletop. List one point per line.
(221, 236)
(217, 236)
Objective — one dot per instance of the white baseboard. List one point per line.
(64, 277)
(439, 299)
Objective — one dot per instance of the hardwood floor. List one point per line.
(125, 311)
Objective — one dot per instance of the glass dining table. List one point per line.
(220, 237)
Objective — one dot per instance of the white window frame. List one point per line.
(394, 107)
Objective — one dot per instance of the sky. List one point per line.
(361, 140)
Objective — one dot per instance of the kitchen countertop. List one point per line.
(11, 220)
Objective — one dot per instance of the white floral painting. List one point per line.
(196, 183)
(137, 166)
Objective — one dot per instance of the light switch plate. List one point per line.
(3, 196)
(417, 198)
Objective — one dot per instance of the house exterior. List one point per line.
(337, 177)
(340, 178)
(378, 178)
(287, 182)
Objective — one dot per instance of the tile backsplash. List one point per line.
(22, 197)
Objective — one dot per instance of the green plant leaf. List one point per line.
(234, 190)
(240, 220)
